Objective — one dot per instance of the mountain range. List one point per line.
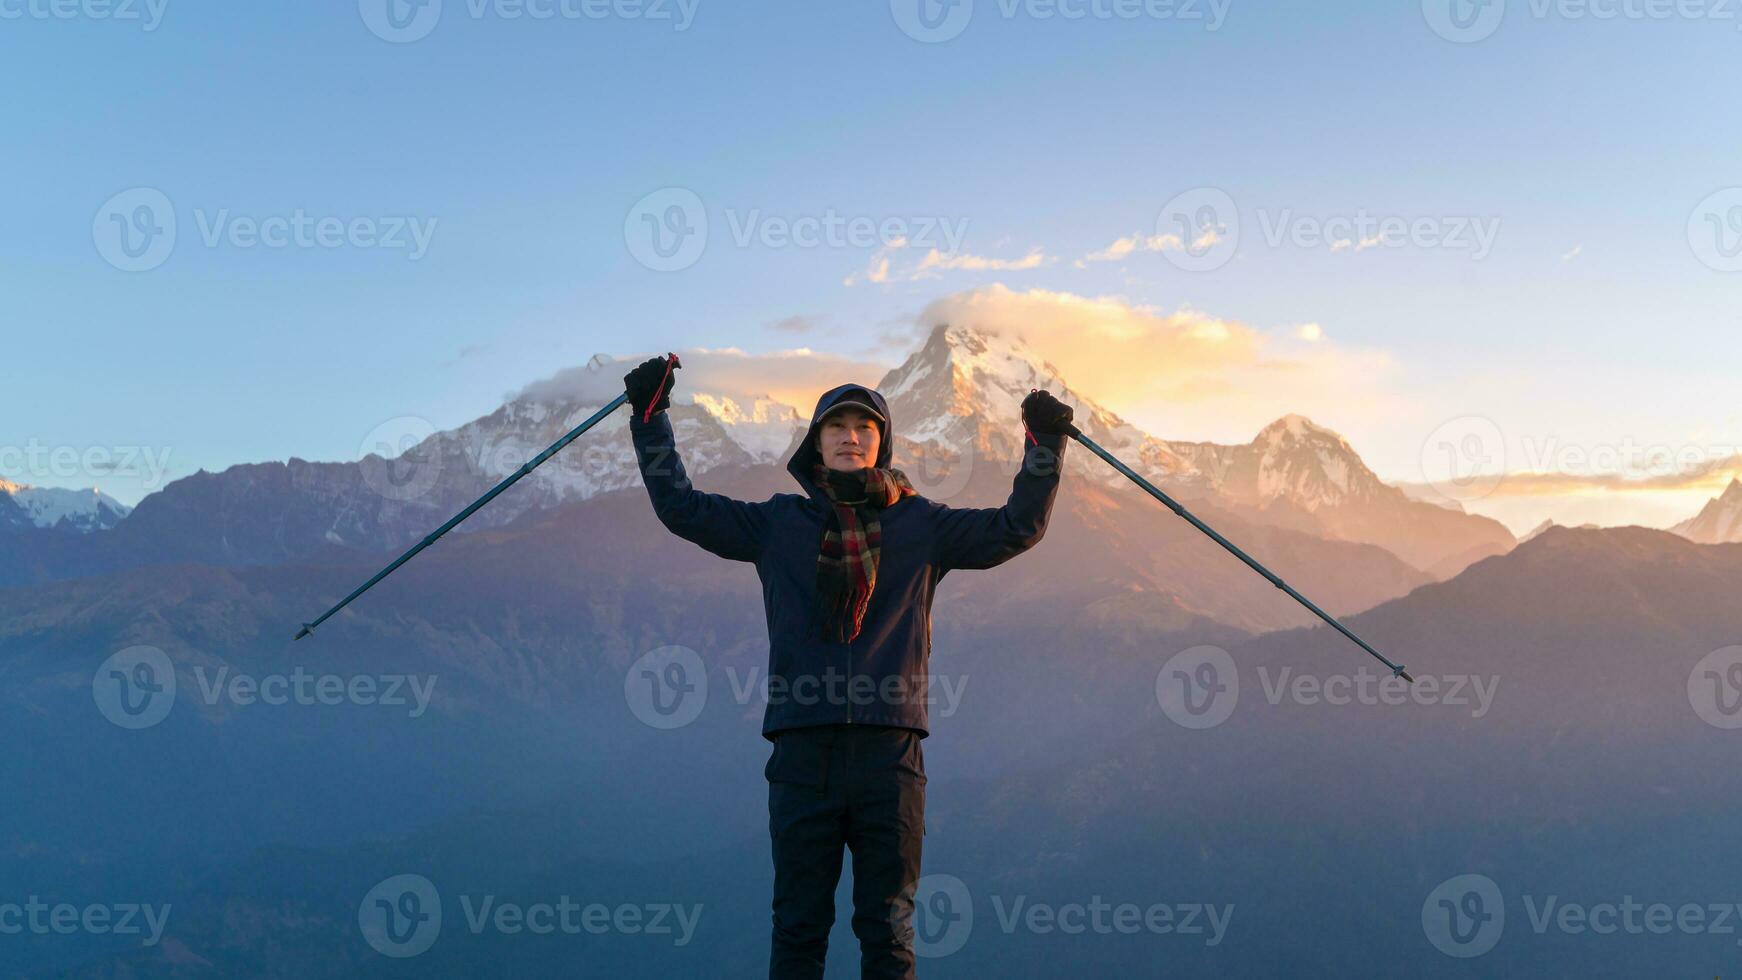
(954, 401)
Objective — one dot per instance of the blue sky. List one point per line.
(522, 145)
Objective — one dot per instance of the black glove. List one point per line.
(649, 385)
(1046, 415)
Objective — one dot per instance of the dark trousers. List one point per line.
(856, 786)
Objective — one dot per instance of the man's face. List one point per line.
(849, 440)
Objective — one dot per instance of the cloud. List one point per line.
(1344, 244)
(878, 269)
(1125, 247)
(1710, 476)
(1310, 332)
(1574, 253)
(935, 260)
(791, 377)
(1183, 371)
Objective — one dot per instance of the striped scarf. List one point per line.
(852, 543)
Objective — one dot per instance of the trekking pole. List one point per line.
(1173, 505)
(525, 468)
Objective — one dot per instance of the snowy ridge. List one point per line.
(90, 509)
(1719, 522)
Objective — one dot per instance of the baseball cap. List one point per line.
(854, 399)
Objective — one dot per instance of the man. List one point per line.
(848, 572)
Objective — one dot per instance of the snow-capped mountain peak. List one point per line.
(1720, 521)
(961, 393)
(23, 505)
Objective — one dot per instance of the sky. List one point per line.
(1496, 246)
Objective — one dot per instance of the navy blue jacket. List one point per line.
(881, 676)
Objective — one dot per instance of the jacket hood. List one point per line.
(807, 456)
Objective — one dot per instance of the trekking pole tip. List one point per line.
(1400, 672)
(301, 633)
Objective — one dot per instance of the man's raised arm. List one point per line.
(982, 537)
(729, 528)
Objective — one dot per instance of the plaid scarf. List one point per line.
(852, 543)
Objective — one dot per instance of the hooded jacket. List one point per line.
(881, 676)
